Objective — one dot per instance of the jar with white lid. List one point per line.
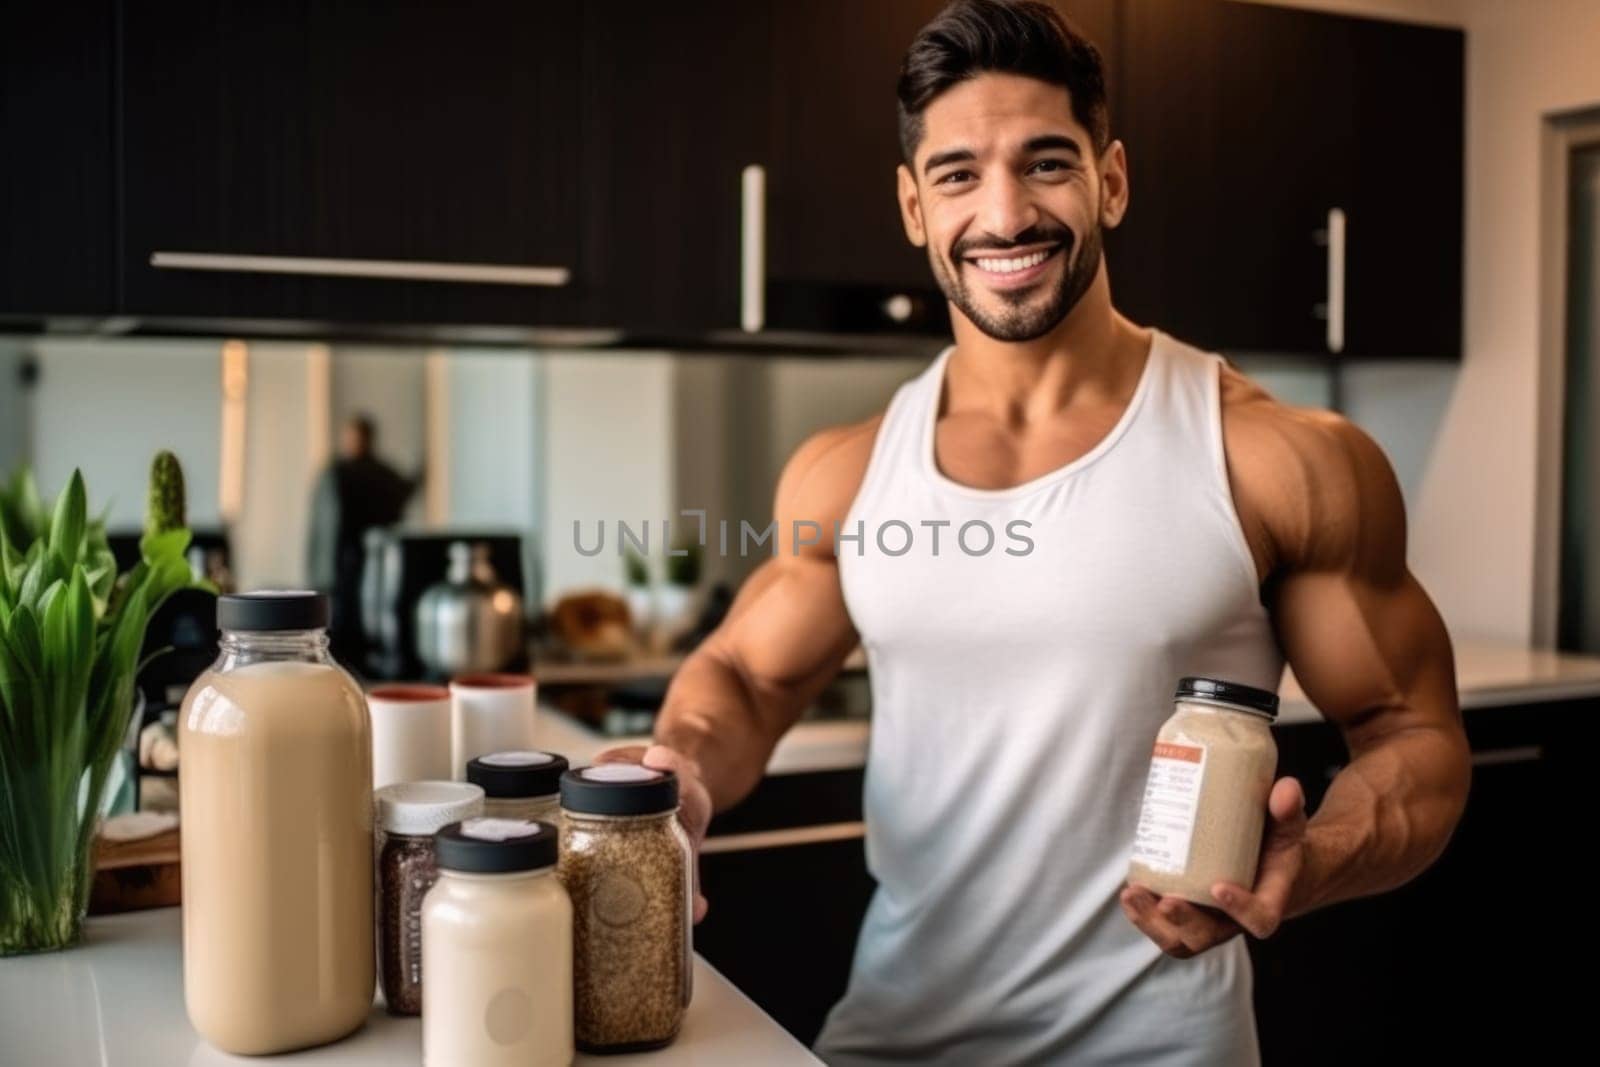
(409, 813)
(520, 784)
(497, 938)
(1205, 802)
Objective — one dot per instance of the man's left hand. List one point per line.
(1183, 929)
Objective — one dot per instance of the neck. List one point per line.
(1092, 354)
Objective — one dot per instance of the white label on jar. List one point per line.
(498, 829)
(516, 759)
(1171, 798)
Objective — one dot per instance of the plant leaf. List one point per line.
(71, 518)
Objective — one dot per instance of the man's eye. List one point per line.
(1048, 166)
(953, 176)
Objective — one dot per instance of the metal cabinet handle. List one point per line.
(397, 269)
(1492, 757)
(753, 249)
(1334, 308)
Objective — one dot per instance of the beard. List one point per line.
(1028, 313)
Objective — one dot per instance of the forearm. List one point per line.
(1386, 816)
(711, 716)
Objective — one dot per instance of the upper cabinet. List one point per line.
(720, 169)
(335, 160)
(56, 198)
(1296, 179)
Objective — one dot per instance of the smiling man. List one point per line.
(1180, 521)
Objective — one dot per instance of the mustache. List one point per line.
(1033, 235)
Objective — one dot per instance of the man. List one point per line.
(356, 493)
(1181, 522)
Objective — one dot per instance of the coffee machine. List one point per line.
(400, 566)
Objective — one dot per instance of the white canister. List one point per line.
(410, 734)
(489, 713)
(497, 938)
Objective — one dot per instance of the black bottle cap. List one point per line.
(277, 609)
(517, 774)
(1220, 692)
(619, 789)
(496, 846)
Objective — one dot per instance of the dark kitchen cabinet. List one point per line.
(674, 107)
(409, 132)
(56, 201)
(1467, 961)
(786, 903)
(1248, 128)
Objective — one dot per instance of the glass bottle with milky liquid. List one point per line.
(275, 787)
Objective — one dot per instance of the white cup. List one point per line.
(410, 733)
(489, 713)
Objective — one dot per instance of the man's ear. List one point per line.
(911, 207)
(1113, 185)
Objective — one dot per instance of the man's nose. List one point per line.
(1007, 209)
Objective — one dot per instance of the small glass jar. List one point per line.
(1205, 802)
(409, 813)
(497, 935)
(626, 862)
(520, 784)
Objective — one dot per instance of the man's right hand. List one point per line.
(694, 801)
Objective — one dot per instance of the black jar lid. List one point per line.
(619, 789)
(496, 846)
(273, 609)
(518, 774)
(1217, 691)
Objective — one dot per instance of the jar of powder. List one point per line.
(497, 935)
(520, 784)
(1205, 802)
(408, 814)
(626, 863)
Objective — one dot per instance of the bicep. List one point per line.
(1374, 657)
(788, 631)
(1364, 640)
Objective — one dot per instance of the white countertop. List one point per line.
(1487, 674)
(116, 1000)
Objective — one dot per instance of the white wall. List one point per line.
(285, 447)
(14, 412)
(107, 407)
(609, 435)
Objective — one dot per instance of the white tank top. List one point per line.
(1015, 700)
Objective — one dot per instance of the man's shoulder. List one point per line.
(1309, 479)
(822, 477)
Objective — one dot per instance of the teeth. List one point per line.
(1011, 266)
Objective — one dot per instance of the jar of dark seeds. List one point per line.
(520, 785)
(408, 813)
(626, 863)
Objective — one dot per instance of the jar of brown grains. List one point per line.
(626, 862)
(520, 784)
(1205, 802)
(408, 815)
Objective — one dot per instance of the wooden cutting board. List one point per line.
(132, 875)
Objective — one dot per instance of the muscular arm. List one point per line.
(1366, 645)
(785, 637)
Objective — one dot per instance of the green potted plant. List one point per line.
(637, 591)
(676, 599)
(71, 630)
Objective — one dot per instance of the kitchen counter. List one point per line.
(1488, 674)
(117, 1001)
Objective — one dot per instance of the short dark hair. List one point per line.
(1026, 37)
